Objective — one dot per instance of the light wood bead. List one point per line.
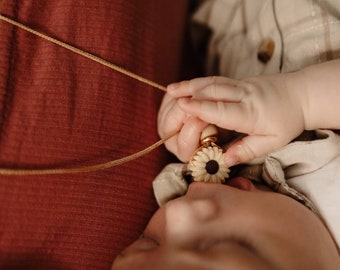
(209, 132)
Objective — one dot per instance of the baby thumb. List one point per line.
(247, 149)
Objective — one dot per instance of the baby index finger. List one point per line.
(220, 92)
(230, 116)
(190, 87)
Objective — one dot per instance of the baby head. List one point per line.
(234, 226)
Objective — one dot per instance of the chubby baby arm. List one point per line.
(322, 83)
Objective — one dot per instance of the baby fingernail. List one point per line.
(172, 87)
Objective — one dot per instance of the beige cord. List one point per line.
(92, 168)
(109, 65)
(84, 54)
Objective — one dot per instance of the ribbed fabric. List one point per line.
(58, 109)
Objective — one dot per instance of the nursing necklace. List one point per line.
(205, 165)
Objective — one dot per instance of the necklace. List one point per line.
(109, 65)
(205, 165)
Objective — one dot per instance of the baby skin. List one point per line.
(269, 110)
(241, 225)
(234, 226)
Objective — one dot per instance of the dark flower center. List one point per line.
(212, 167)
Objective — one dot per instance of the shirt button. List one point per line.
(266, 50)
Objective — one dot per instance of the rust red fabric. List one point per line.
(58, 109)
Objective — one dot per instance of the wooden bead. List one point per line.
(266, 50)
(209, 132)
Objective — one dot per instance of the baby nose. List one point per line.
(203, 210)
(186, 218)
(192, 210)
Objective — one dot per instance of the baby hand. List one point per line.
(267, 109)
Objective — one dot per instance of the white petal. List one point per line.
(211, 153)
(207, 178)
(220, 175)
(215, 151)
(198, 164)
(205, 158)
(199, 174)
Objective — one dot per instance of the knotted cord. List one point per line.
(102, 62)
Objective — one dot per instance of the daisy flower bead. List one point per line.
(207, 165)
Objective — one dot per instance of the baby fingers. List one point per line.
(232, 116)
(249, 148)
(191, 87)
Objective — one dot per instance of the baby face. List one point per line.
(235, 226)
